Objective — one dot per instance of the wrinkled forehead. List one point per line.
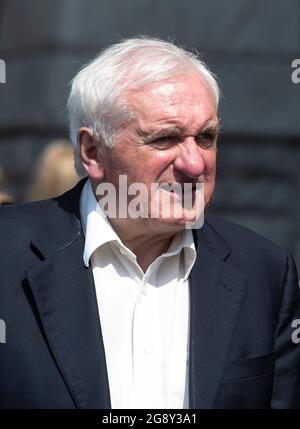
(184, 97)
(187, 89)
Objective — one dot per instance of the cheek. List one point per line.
(152, 165)
(140, 164)
(210, 161)
(119, 163)
(161, 160)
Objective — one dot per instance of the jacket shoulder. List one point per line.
(24, 214)
(243, 240)
(32, 216)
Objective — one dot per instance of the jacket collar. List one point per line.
(216, 293)
(63, 210)
(64, 294)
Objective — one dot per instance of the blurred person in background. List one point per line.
(5, 197)
(54, 172)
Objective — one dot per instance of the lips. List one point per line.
(178, 187)
(172, 187)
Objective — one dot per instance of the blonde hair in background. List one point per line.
(54, 172)
(5, 197)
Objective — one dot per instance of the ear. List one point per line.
(90, 154)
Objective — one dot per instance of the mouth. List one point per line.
(178, 187)
(181, 192)
(172, 188)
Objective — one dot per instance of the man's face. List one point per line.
(171, 140)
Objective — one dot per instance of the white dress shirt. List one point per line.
(144, 316)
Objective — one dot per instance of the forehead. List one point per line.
(184, 101)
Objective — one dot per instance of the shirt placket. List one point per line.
(147, 353)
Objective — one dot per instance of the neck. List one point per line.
(142, 241)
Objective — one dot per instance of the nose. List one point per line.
(189, 161)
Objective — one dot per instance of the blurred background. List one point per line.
(249, 44)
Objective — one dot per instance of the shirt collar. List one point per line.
(184, 241)
(98, 231)
(97, 228)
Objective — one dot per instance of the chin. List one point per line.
(179, 223)
(172, 225)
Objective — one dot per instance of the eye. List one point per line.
(165, 142)
(206, 139)
(162, 139)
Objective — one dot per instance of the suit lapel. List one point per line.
(216, 291)
(65, 299)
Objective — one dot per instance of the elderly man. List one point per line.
(111, 310)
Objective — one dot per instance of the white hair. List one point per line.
(95, 99)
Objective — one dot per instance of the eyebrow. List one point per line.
(162, 132)
(177, 130)
(210, 126)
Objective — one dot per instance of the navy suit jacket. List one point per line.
(244, 296)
